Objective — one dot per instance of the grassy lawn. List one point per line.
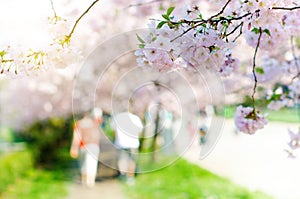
(183, 180)
(39, 184)
(290, 115)
(19, 179)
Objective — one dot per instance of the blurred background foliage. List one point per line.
(46, 138)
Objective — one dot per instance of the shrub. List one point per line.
(46, 137)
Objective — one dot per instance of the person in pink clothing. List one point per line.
(86, 139)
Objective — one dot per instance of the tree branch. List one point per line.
(186, 31)
(142, 4)
(233, 31)
(210, 20)
(222, 10)
(253, 68)
(53, 9)
(77, 21)
(284, 8)
(241, 32)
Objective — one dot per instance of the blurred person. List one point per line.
(127, 127)
(97, 114)
(168, 147)
(202, 135)
(86, 146)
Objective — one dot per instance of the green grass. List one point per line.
(285, 115)
(289, 115)
(39, 184)
(183, 180)
(19, 179)
(13, 166)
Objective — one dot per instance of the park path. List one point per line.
(257, 162)
(105, 189)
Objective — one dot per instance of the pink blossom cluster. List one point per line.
(295, 90)
(210, 43)
(272, 70)
(249, 121)
(164, 50)
(278, 104)
(210, 46)
(280, 97)
(284, 96)
(294, 142)
(280, 24)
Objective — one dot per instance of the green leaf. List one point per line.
(161, 24)
(259, 70)
(170, 10)
(2, 53)
(275, 97)
(166, 17)
(140, 39)
(255, 30)
(141, 45)
(200, 16)
(267, 31)
(213, 48)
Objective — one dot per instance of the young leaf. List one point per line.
(200, 16)
(141, 45)
(140, 39)
(259, 70)
(161, 24)
(255, 30)
(2, 53)
(170, 10)
(166, 17)
(267, 31)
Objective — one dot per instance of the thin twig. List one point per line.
(222, 10)
(211, 20)
(284, 8)
(253, 68)
(241, 32)
(186, 31)
(233, 31)
(142, 4)
(199, 23)
(84, 13)
(240, 17)
(53, 9)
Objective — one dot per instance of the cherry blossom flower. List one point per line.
(277, 104)
(249, 121)
(294, 142)
(294, 91)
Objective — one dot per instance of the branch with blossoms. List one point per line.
(54, 56)
(286, 94)
(295, 59)
(293, 144)
(194, 41)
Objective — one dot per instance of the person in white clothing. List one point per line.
(127, 128)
